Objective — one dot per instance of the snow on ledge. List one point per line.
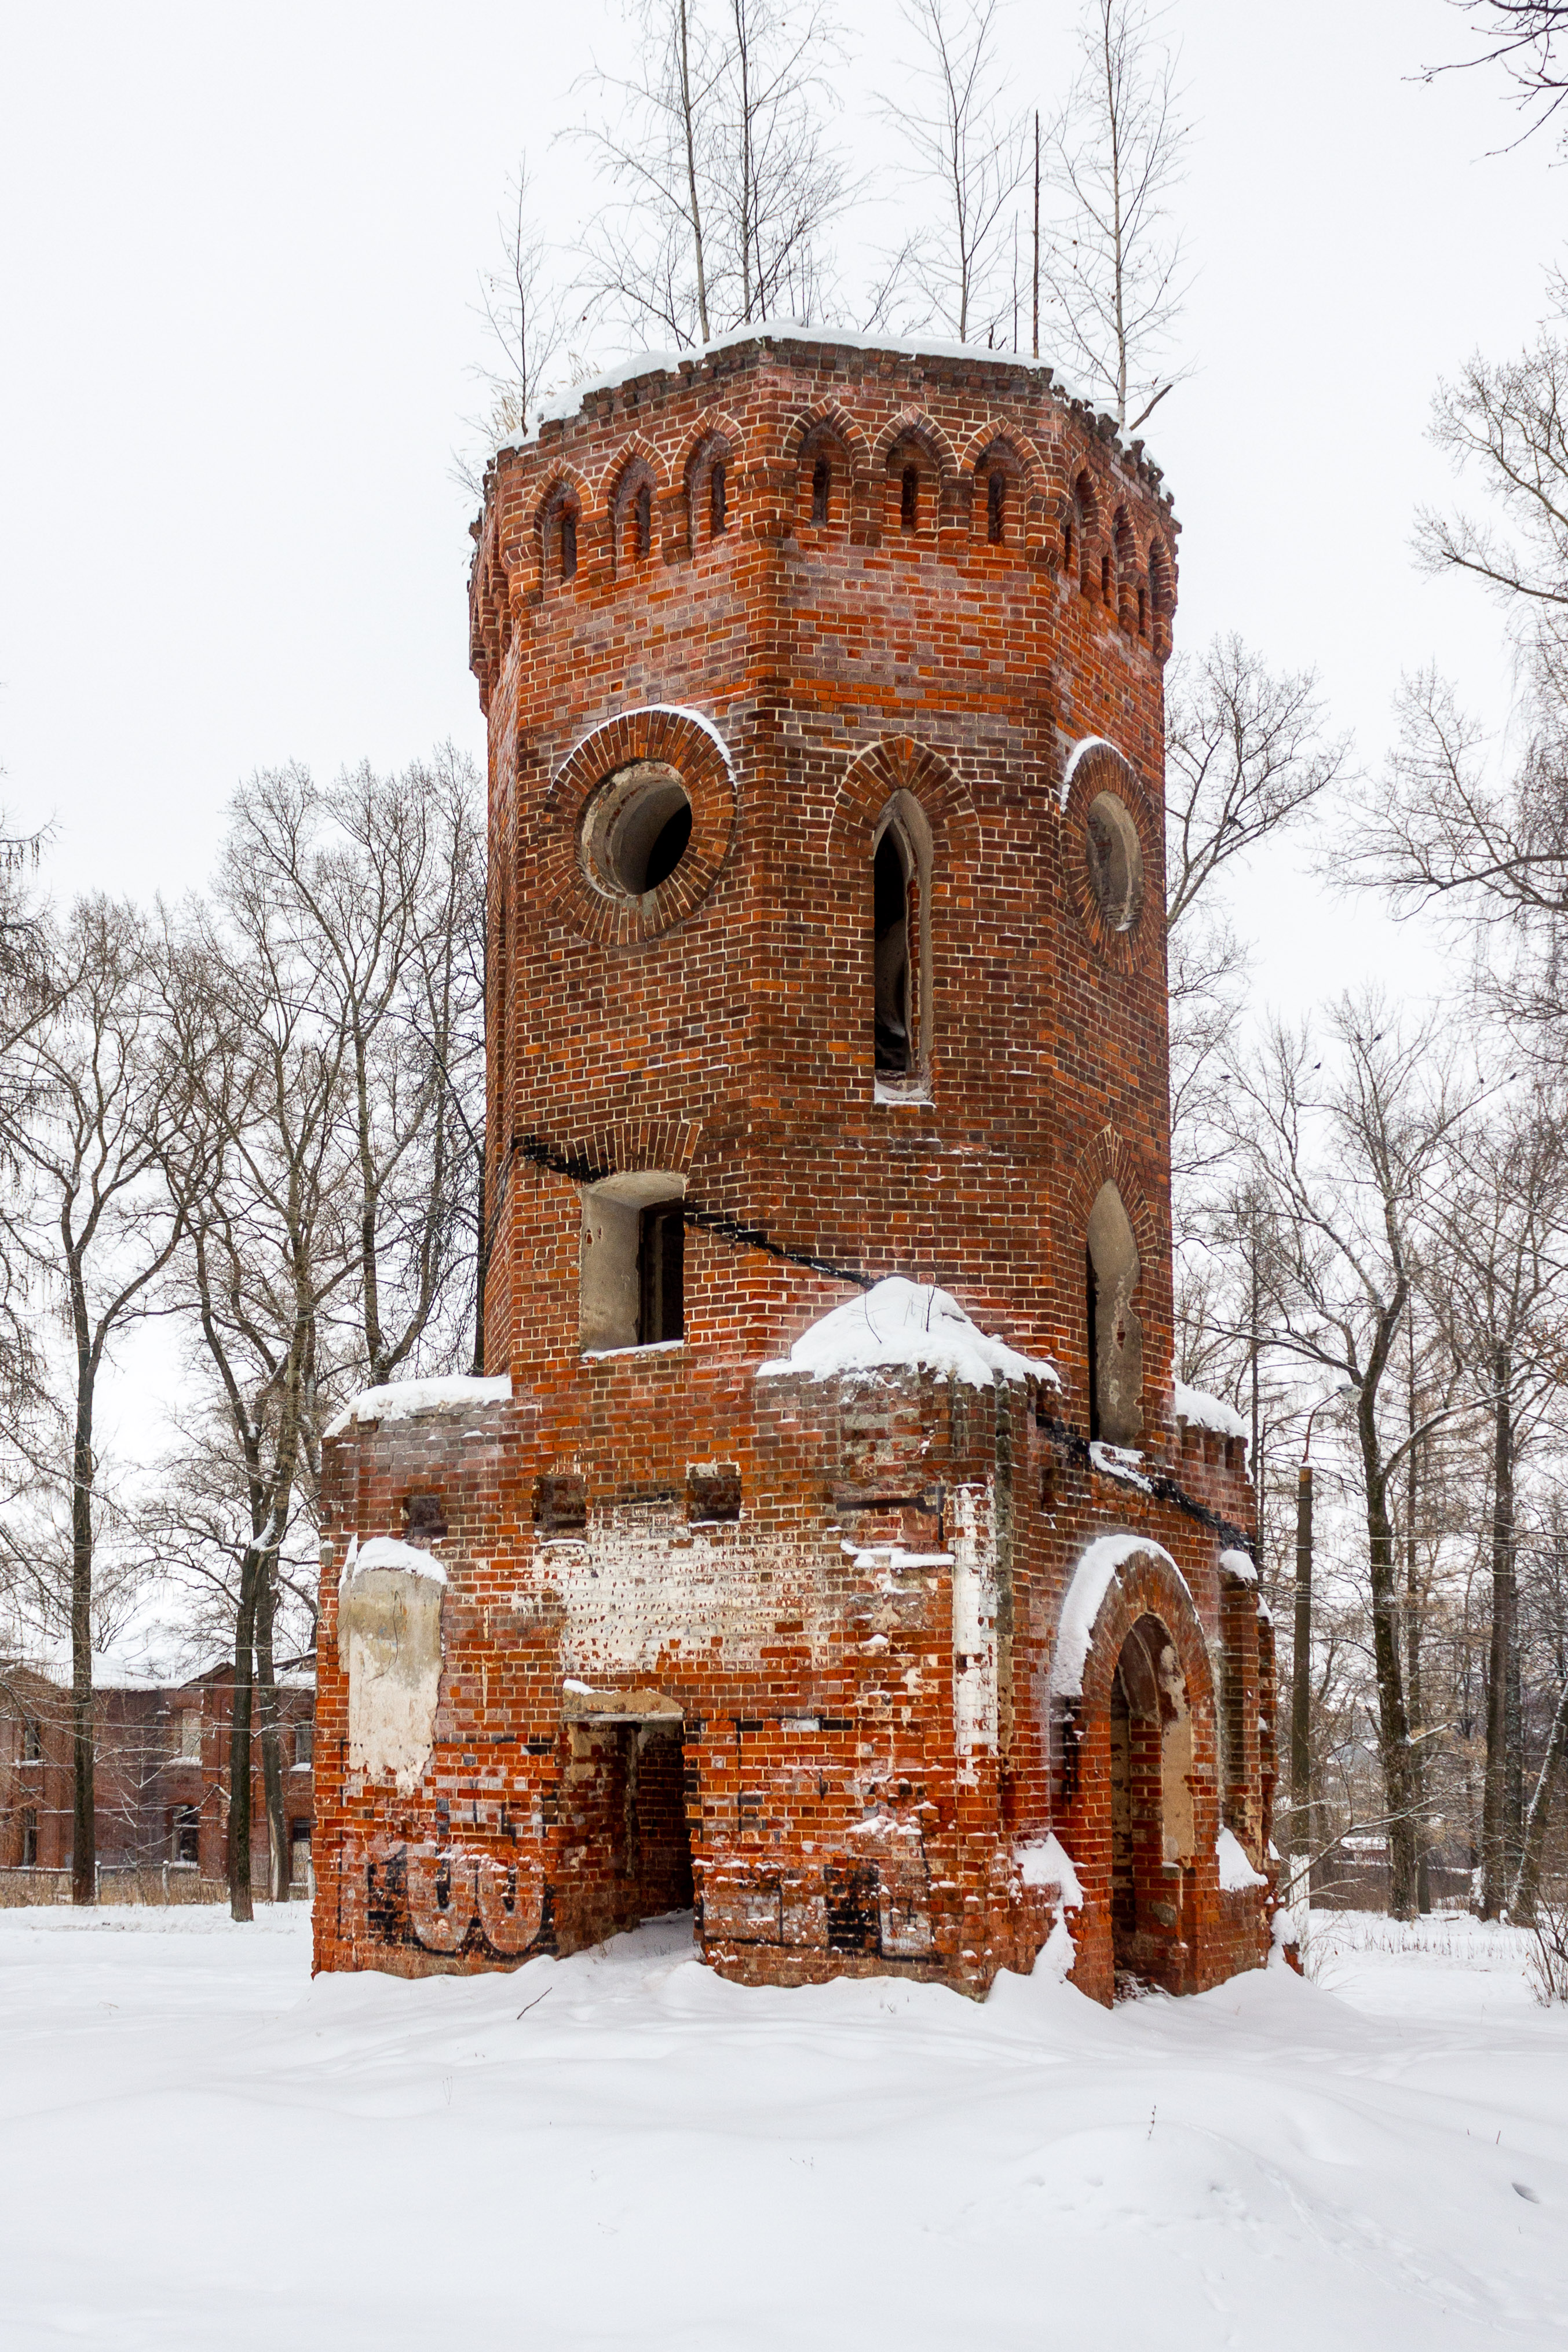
(1207, 1411)
(387, 1552)
(1238, 1564)
(901, 1324)
(1236, 1872)
(1092, 1580)
(399, 1400)
(1045, 1861)
(567, 401)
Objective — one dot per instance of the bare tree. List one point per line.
(1248, 752)
(327, 1024)
(524, 306)
(972, 157)
(1507, 420)
(1348, 1163)
(1499, 1262)
(96, 1223)
(1527, 39)
(1115, 152)
(725, 182)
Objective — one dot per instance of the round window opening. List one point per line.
(636, 829)
(1115, 861)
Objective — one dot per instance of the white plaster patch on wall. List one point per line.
(388, 1645)
(643, 1584)
(973, 1631)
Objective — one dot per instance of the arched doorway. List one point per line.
(1152, 1829)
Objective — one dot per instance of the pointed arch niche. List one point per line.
(904, 836)
(900, 926)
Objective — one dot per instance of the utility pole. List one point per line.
(1035, 232)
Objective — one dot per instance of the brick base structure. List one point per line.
(824, 691)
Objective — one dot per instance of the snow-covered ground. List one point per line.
(199, 2148)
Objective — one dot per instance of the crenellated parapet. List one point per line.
(805, 445)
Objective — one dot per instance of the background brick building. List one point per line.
(161, 1776)
(824, 691)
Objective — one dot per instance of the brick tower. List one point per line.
(834, 1547)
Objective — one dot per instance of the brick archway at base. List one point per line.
(1146, 1582)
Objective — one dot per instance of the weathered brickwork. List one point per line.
(799, 1647)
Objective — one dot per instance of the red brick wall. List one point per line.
(844, 1811)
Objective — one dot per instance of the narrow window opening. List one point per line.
(1067, 546)
(1094, 1335)
(29, 1838)
(569, 546)
(661, 1273)
(717, 495)
(1143, 612)
(909, 499)
(642, 523)
(299, 1854)
(895, 1056)
(821, 489)
(32, 1741)
(996, 508)
(187, 1836)
(1105, 578)
(305, 1743)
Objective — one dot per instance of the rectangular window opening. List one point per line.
(661, 1273)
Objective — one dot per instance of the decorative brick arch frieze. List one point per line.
(912, 424)
(826, 416)
(825, 421)
(1092, 768)
(635, 463)
(698, 756)
(1038, 480)
(716, 439)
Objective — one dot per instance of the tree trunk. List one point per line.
(1495, 1808)
(83, 1798)
(267, 1711)
(1392, 1723)
(1521, 1894)
(1302, 1688)
(1413, 1628)
(240, 1906)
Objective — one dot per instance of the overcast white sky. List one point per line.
(237, 290)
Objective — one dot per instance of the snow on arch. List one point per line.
(660, 710)
(1078, 754)
(1099, 1569)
